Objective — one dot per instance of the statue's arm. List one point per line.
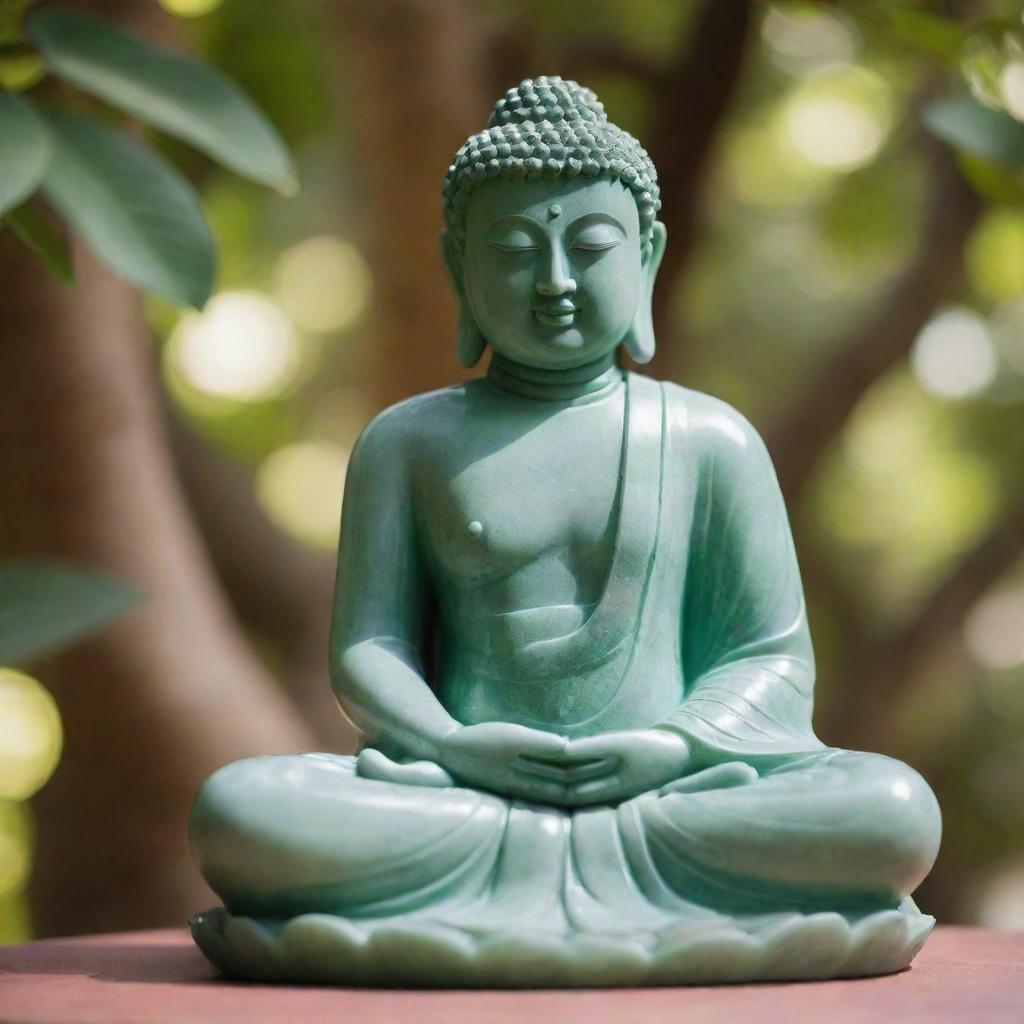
(747, 656)
(380, 600)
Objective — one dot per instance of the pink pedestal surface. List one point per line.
(158, 977)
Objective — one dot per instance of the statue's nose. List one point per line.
(557, 280)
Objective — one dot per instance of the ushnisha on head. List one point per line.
(551, 240)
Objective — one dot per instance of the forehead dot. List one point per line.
(554, 211)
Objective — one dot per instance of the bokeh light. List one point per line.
(15, 847)
(839, 119)
(953, 357)
(907, 491)
(1007, 322)
(301, 485)
(800, 38)
(1011, 84)
(323, 284)
(992, 61)
(995, 254)
(994, 630)
(190, 8)
(241, 347)
(1001, 901)
(887, 435)
(764, 171)
(30, 735)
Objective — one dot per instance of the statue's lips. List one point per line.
(560, 316)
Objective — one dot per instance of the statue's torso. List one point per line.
(517, 510)
(541, 483)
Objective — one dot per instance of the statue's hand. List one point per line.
(372, 764)
(641, 760)
(508, 759)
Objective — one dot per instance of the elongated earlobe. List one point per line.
(469, 342)
(639, 340)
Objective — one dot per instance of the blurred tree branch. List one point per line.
(510, 53)
(811, 423)
(587, 55)
(881, 669)
(878, 674)
(693, 95)
(278, 589)
(416, 66)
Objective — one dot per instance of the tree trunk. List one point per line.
(414, 67)
(694, 97)
(278, 589)
(155, 703)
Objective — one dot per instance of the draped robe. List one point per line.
(701, 629)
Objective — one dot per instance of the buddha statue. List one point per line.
(570, 625)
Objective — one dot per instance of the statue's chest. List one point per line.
(545, 496)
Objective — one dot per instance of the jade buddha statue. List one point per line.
(570, 625)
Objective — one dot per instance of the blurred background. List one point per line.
(849, 280)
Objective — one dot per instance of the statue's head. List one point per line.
(551, 240)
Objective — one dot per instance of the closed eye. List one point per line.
(596, 238)
(596, 246)
(505, 247)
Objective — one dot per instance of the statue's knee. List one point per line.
(212, 805)
(231, 824)
(909, 825)
(222, 806)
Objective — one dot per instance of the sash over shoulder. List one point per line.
(614, 620)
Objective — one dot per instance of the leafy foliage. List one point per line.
(132, 207)
(44, 606)
(966, 124)
(138, 213)
(180, 96)
(24, 151)
(48, 242)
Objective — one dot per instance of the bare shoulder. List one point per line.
(400, 431)
(711, 426)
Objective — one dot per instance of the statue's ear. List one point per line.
(639, 340)
(469, 342)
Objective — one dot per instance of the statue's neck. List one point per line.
(588, 381)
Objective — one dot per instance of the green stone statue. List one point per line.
(569, 622)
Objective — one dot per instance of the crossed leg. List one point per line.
(284, 835)
(835, 830)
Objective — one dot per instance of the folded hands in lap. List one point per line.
(530, 764)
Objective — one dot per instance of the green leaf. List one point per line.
(181, 96)
(44, 606)
(966, 124)
(24, 150)
(48, 242)
(134, 209)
